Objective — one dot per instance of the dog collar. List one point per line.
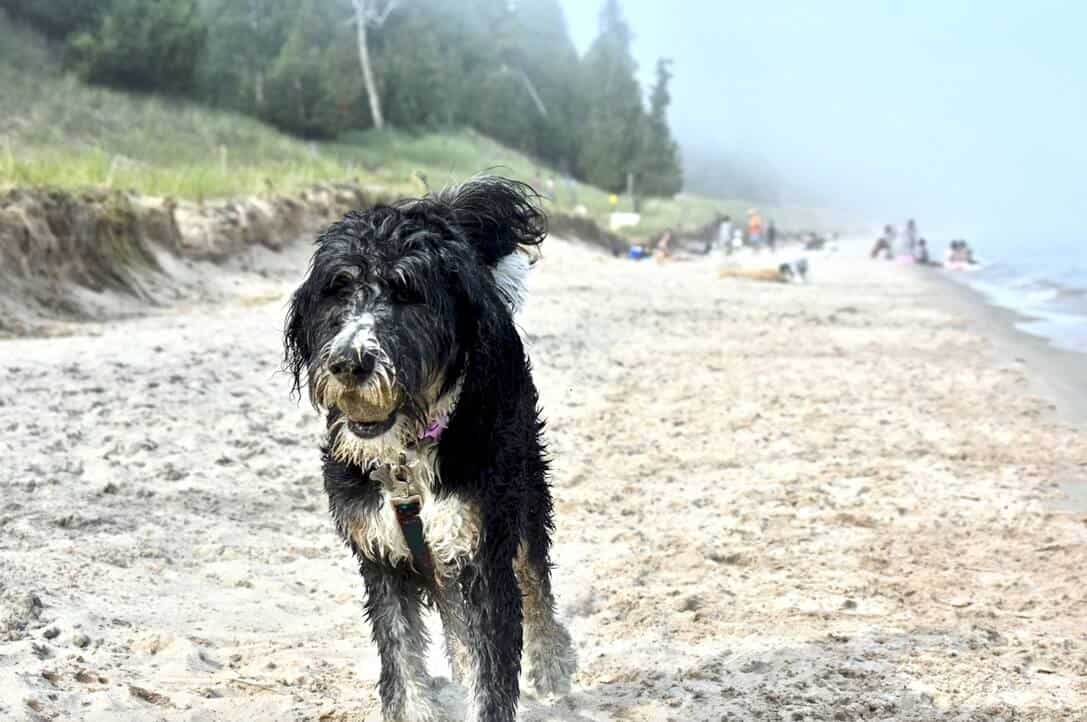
(433, 431)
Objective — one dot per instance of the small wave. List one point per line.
(1055, 300)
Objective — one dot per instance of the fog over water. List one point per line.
(970, 116)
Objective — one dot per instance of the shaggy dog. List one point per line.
(434, 466)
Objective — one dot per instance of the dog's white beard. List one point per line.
(405, 432)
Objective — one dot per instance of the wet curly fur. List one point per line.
(416, 299)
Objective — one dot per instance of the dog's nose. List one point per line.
(353, 368)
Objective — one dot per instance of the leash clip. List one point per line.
(407, 510)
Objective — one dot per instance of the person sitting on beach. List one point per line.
(883, 244)
(960, 256)
(664, 246)
(921, 255)
(951, 255)
(968, 252)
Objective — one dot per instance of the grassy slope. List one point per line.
(55, 130)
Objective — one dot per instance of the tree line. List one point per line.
(318, 68)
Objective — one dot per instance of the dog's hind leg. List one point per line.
(550, 660)
(492, 612)
(393, 606)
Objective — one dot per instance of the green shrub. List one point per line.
(55, 18)
(143, 45)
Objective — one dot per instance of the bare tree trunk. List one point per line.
(361, 20)
(531, 89)
(258, 89)
(258, 72)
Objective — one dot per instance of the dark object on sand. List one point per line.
(797, 271)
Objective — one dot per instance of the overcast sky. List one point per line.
(970, 114)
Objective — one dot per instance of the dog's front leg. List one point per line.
(492, 611)
(549, 654)
(393, 605)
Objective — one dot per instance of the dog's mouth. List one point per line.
(370, 416)
(371, 429)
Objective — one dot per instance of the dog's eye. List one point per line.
(340, 282)
(404, 294)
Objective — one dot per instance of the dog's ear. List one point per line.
(503, 221)
(497, 215)
(296, 343)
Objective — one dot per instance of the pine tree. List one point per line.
(56, 19)
(659, 172)
(609, 140)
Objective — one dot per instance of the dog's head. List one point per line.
(400, 299)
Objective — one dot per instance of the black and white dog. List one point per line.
(434, 466)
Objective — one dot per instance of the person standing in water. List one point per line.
(771, 235)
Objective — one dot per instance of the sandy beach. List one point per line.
(834, 501)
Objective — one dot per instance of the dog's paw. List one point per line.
(422, 703)
(550, 662)
(422, 711)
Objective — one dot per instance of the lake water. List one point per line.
(1044, 279)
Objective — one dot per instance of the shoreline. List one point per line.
(1055, 374)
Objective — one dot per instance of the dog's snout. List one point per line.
(352, 367)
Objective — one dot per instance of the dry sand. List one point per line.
(821, 502)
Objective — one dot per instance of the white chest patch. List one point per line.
(450, 525)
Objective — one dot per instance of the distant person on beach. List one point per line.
(737, 239)
(960, 256)
(909, 239)
(951, 254)
(921, 255)
(771, 235)
(724, 235)
(969, 253)
(754, 229)
(664, 246)
(883, 243)
(813, 242)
